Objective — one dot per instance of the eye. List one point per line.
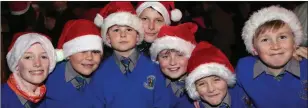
(200, 84)
(27, 57)
(283, 37)
(115, 30)
(96, 51)
(159, 20)
(129, 29)
(264, 40)
(217, 79)
(180, 54)
(44, 57)
(143, 19)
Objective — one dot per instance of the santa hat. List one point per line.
(118, 13)
(19, 7)
(180, 38)
(268, 14)
(22, 42)
(78, 36)
(207, 60)
(165, 8)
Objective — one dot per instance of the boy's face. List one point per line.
(85, 62)
(122, 38)
(152, 21)
(212, 89)
(275, 48)
(173, 63)
(34, 64)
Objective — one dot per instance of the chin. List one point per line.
(150, 39)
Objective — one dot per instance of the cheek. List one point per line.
(163, 64)
(223, 87)
(97, 58)
(76, 58)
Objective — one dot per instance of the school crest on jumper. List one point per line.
(150, 82)
(303, 94)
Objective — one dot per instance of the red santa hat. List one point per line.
(207, 60)
(268, 14)
(180, 38)
(22, 41)
(19, 7)
(78, 36)
(165, 8)
(118, 13)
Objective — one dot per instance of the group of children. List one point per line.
(179, 72)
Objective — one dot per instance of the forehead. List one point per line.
(36, 47)
(150, 12)
(168, 51)
(207, 78)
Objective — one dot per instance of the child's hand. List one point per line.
(300, 53)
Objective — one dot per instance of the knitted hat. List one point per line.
(22, 41)
(118, 13)
(78, 36)
(19, 7)
(165, 8)
(180, 38)
(207, 60)
(268, 14)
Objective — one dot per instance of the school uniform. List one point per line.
(264, 90)
(179, 98)
(64, 85)
(137, 85)
(11, 100)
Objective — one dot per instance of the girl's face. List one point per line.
(33, 66)
(212, 89)
(152, 21)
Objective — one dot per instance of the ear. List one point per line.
(108, 38)
(254, 52)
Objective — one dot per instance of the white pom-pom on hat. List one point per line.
(98, 20)
(176, 15)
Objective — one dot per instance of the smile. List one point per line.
(37, 72)
(174, 69)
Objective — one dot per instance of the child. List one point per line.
(154, 15)
(272, 78)
(171, 50)
(82, 48)
(31, 58)
(127, 78)
(210, 75)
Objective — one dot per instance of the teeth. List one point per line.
(173, 69)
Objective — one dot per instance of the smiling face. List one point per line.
(173, 63)
(152, 21)
(33, 66)
(122, 38)
(275, 45)
(212, 89)
(85, 62)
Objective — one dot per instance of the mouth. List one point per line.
(276, 54)
(37, 72)
(150, 34)
(214, 95)
(123, 42)
(89, 66)
(174, 69)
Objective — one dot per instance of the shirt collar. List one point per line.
(22, 100)
(292, 67)
(168, 81)
(133, 57)
(226, 100)
(70, 73)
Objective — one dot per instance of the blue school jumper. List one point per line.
(59, 92)
(265, 91)
(144, 87)
(9, 99)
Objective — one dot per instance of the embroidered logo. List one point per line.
(247, 101)
(304, 91)
(150, 82)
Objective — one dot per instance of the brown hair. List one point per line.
(273, 26)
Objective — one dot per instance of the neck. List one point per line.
(125, 53)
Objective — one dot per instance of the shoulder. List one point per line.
(247, 59)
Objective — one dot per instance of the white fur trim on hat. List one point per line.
(171, 42)
(21, 11)
(205, 70)
(98, 20)
(158, 7)
(82, 43)
(123, 19)
(268, 14)
(23, 43)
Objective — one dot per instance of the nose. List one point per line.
(151, 25)
(37, 62)
(89, 55)
(275, 46)
(172, 61)
(210, 87)
(122, 34)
